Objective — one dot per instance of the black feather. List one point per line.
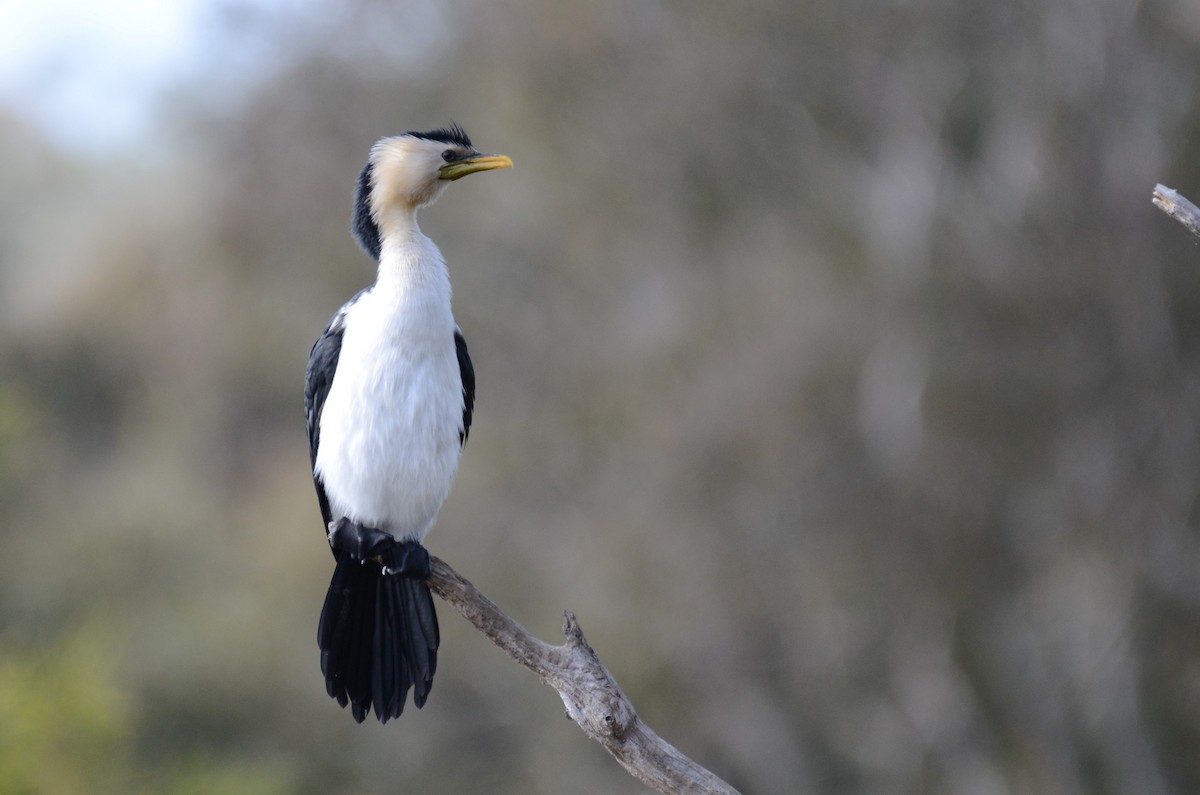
(383, 665)
(362, 224)
(466, 371)
(344, 634)
(453, 134)
(318, 378)
(378, 636)
(423, 657)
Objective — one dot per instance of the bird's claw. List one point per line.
(407, 559)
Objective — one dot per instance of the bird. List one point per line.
(389, 396)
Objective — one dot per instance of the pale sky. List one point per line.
(88, 72)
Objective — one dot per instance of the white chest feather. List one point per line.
(389, 444)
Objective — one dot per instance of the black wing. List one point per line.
(322, 364)
(467, 371)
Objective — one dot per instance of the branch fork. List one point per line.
(592, 698)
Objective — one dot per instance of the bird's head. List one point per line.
(409, 171)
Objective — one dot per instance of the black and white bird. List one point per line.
(389, 394)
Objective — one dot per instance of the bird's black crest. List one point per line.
(451, 135)
(362, 224)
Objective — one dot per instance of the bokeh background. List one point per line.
(834, 368)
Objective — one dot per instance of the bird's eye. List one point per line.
(448, 155)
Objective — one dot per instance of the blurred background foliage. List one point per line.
(833, 364)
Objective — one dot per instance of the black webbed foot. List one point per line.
(359, 542)
(407, 559)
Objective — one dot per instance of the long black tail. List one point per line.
(378, 637)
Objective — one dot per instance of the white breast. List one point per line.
(390, 426)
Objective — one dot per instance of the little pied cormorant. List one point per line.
(389, 394)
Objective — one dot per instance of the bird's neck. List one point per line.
(398, 223)
(408, 260)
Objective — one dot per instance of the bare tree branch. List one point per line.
(589, 692)
(1178, 207)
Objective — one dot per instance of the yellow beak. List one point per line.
(469, 165)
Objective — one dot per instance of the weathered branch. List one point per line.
(589, 692)
(1178, 207)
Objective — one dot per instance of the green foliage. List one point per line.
(67, 727)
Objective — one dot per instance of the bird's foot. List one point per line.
(361, 543)
(358, 541)
(407, 559)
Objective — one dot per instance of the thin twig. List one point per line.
(591, 695)
(1178, 207)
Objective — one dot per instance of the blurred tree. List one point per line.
(833, 366)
